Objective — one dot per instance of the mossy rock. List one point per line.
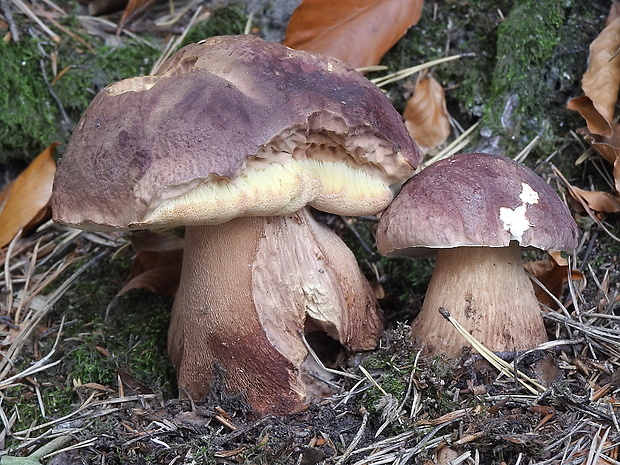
(526, 60)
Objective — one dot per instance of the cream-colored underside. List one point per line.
(273, 190)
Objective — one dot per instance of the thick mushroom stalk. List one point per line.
(473, 211)
(249, 290)
(236, 127)
(487, 290)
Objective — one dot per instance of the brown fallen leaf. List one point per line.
(426, 115)
(23, 200)
(596, 123)
(601, 81)
(358, 32)
(553, 273)
(597, 201)
(157, 264)
(608, 147)
(133, 9)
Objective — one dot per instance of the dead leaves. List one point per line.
(358, 32)
(426, 115)
(597, 105)
(553, 273)
(23, 202)
(157, 264)
(600, 82)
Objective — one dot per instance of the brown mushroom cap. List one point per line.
(475, 200)
(162, 150)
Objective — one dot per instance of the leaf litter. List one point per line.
(393, 406)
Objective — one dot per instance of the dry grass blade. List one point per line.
(504, 368)
(36, 314)
(320, 363)
(602, 335)
(36, 367)
(405, 73)
(173, 44)
(356, 439)
(456, 145)
(89, 409)
(28, 12)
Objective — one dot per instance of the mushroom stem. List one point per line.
(249, 290)
(487, 290)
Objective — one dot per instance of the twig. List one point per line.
(173, 45)
(35, 457)
(33, 262)
(356, 439)
(28, 12)
(8, 16)
(456, 145)
(67, 123)
(320, 362)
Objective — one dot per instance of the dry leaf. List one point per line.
(552, 272)
(358, 32)
(602, 79)
(602, 202)
(132, 384)
(133, 9)
(426, 115)
(608, 147)
(23, 199)
(597, 124)
(157, 264)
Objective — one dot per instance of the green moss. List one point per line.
(131, 341)
(227, 20)
(88, 72)
(31, 118)
(528, 59)
(58, 400)
(542, 51)
(534, 69)
(28, 117)
(452, 28)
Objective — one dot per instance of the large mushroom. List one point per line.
(475, 211)
(233, 139)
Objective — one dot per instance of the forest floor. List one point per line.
(85, 376)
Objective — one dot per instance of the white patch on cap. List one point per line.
(528, 195)
(515, 221)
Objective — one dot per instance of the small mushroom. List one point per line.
(234, 138)
(476, 211)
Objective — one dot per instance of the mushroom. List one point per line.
(235, 138)
(476, 211)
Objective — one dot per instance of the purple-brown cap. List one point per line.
(232, 126)
(475, 199)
